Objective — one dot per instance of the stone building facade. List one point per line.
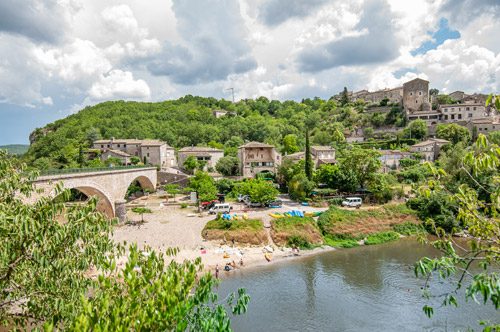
(256, 157)
(429, 149)
(202, 153)
(416, 95)
(155, 152)
(390, 159)
(319, 154)
(393, 95)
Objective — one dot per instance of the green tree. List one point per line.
(416, 129)
(260, 191)
(134, 160)
(225, 186)
(344, 97)
(204, 185)
(476, 213)
(172, 189)
(308, 165)
(335, 177)
(363, 163)
(190, 164)
(44, 263)
(228, 166)
(130, 299)
(290, 144)
(453, 133)
(141, 211)
(494, 137)
(300, 187)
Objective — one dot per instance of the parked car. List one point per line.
(209, 204)
(275, 204)
(352, 202)
(249, 203)
(242, 198)
(220, 208)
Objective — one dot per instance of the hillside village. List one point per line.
(414, 98)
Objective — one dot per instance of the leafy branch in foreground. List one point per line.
(479, 218)
(58, 271)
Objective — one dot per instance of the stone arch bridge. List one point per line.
(109, 185)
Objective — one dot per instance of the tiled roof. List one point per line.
(152, 143)
(118, 153)
(394, 152)
(322, 148)
(199, 149)
(256, 145)
(431, 141)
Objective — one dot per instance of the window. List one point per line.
(416, 101)
(411, 93)
(147, 154)
(420, 93)
(453, 116)
(108, 145)
(474, 108)
(102, 145)
(118, 145)
(470, 115)
(467, 108)
(446, 110)
(446, 117)
(124, 145)
(460, 116)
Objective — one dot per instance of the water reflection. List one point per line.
(361, 289)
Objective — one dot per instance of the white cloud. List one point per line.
(48, 101)
(118, 84)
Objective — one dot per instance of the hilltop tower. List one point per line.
(416, 95)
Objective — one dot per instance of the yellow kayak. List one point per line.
(276, 215)
(268, 256)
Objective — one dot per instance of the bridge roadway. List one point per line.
(109, 185)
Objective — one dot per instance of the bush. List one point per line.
(298, 241)
(408, 228)
(436, 210)
(335, 201)
(382, 237)
(340, 242)
(184, 205)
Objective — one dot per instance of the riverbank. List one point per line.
(172, 226)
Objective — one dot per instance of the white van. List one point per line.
(352, 202)
(220, 208)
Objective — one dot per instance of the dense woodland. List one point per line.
(189, 121)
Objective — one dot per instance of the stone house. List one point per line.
(393, 95)
(484, 126)
(462, 112)
(156, 152)
(206, 154)
(429, 149)
(123, 156)
(390, 159)
(320, 155)
(256, 157)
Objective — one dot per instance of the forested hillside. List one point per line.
(190, 121)
(15, 149)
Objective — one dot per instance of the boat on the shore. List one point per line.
(268, 256)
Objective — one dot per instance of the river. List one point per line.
(369, 288)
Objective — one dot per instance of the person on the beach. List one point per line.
(217, 271)
(241, 261)
(233, 264)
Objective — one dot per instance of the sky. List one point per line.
(59, 56)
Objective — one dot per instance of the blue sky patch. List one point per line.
(442, 34)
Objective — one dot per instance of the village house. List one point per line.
(210, 156)
(256, 157)
(153, 152)
(390, 159)
(319, 154)
(124, 157)
(429, 149)
(484, 126)
(462, 112)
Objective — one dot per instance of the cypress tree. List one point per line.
(308, 162)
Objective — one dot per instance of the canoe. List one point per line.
(276, 215)
(268, 256)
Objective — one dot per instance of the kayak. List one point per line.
(268, 256)
(276, 215)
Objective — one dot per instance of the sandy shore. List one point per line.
(170, 226)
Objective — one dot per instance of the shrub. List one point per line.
(382, 237)
(184, 205)
(408, 228)
(335, 201)
(298, 241)
(340, 242)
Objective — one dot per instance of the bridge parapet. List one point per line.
(109, 185)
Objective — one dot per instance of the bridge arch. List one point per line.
(104, 204)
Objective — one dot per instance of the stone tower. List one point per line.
(415, 95)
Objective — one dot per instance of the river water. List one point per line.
(369, 288)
